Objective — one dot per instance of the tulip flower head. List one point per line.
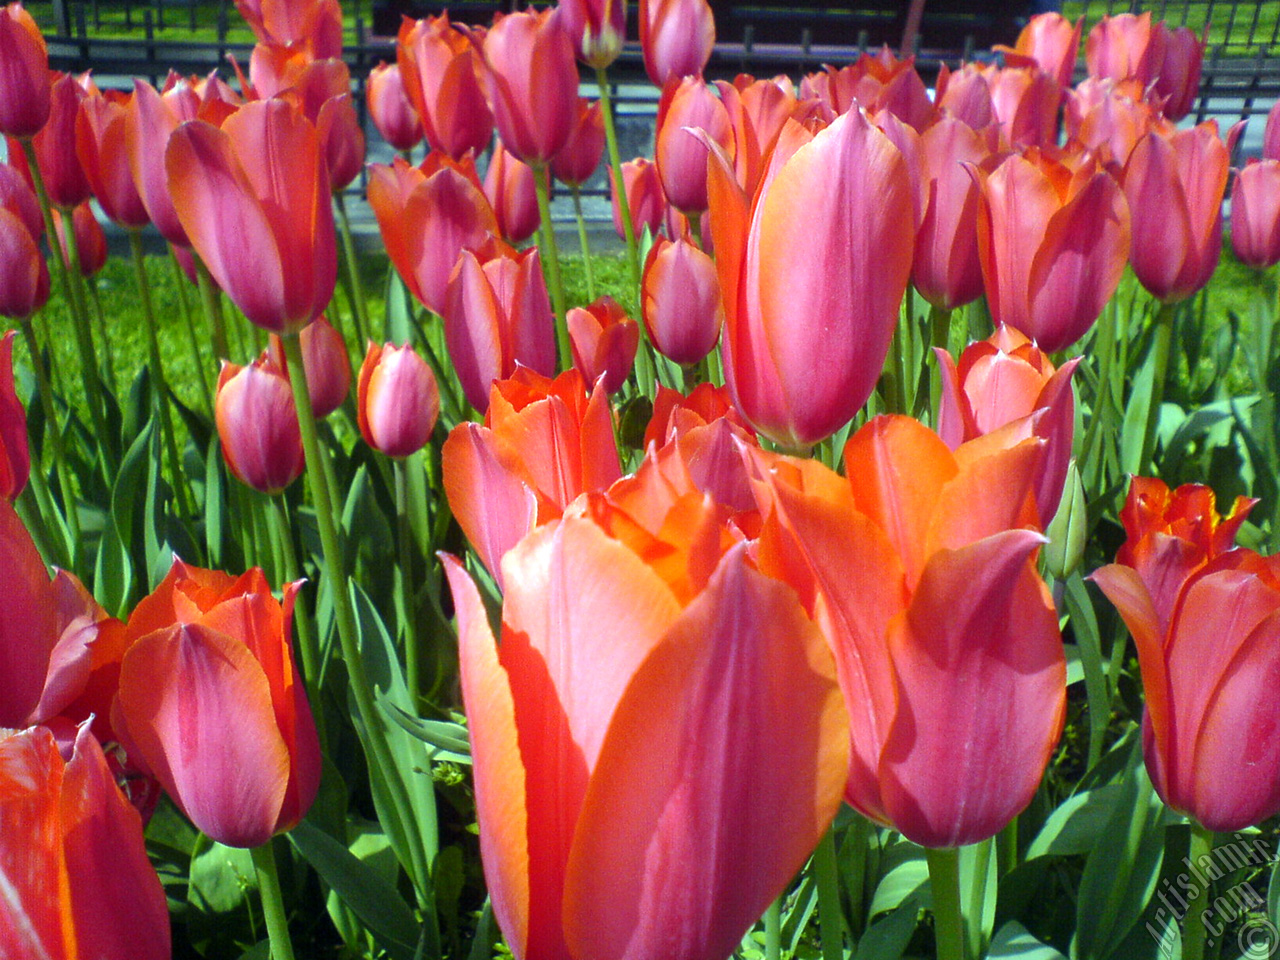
(258, 425)
(1051, 42)
(102, 146)
(511, 191)
(152, 117)
(441, 70)
(24, 275)
(596, 28)
(580, 156)
(875, 82)
(325, 361)
(681, 157)
(680, 299)
(398, 400)
(55, 144)
(604, 342)
(391, 109)
(25, 80)
(676, 38)
(91, 241)
(645, 199)
(1255, 214)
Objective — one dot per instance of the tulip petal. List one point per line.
(989, 494)
(28, 620)
(1018, 203)
(742, 682)
(981, 693)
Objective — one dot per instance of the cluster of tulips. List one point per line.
(710, 639)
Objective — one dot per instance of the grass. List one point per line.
(1238, 23)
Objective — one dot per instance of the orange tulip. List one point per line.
(1255, 214)
(25, 80)
(1050, 42)
(24, 275)
(441, 69)
(676, 38)
(390, 108)
(812, 274)
(1109, 117)
(945, 637)
(680, 299)
(510, 189)
(218, 647)
(258, 425)
(675, 414)
(604, 342)
(645, 667)
(398, 400)
(757, 111)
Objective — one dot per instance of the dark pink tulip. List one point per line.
(29, 613)
(441, 70)
(596, 28)
(676, 37)
(604, 342)
(398, 400)
(325, 360)
(1050, 42)
(342, 141)
(509, 186)
(390, 109)
(55, 145)
(680, 299)
(25, 80)
(91, 242)
(15, 458)
(102, 146)
(1179, 80)
(24, 275)
(1255, 214)
(686, 105)
(580, 156)
(258, 425)
(152, 117)
(645, 199)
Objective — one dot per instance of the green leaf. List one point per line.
(1076, 825)
(1084, 625)
(112, 574)
(1013, 940)
(906, 872)
(887, 938)
(445, 741)
(215, 504)
(1133, 430)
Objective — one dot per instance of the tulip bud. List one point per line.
(258, 426)
(398, 400)
(676, 37)
(1271, 134)
(596, 28)
(509, 185)
(441, 69)
(15, 458)
(604, 341)
(579, 157)
(390, 109)
(946, 268)
(24, 275)
(152, 117)
(55, 145)
(645, 199)
(341, 140)
(25, 80)
(680, 299)
(1255, 214)
(101, 145)
(1125, 46)
(325, 360)
(91, 242)
(1026, 104)
(1179, 80)
(681, 156)
(1068, 532)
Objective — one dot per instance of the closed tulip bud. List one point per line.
(55, 145)
(680, 300)
(25, 80)
(580, 156)
(220, 648)
(645, 199)
(152, 117)
(342, 141)
(441, 69)
(1068, 531)
(676, 38)
(510, 188)
(91, 242)
(1255, 214)
(596, 28)
(15, 458)
(398, 400)
(681, 157)
(325, 360)
(390, 108)
(1271, 134)
(1050, 42)
(1179, 80)
(24, 275)
(604, 341)
(102, 147)
(258, 426)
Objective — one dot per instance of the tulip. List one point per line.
(441, 69)
(91, 241)
(1051, 42)
(680, 301)
(604, 342)
(1255, 214)
(398, 400)
(152, 118)
(1052, 244)
(29, 618)
(676, 38)
(258, 426)
(631, 820)
(1203, 618)
(1174, 186)
(950, 657)
(509, 187)
(253, 197)
(15, 460)
(25, 80)
(812, 275)
(1006, 386)
(55, 145)
(1179, 80)
(1271, 134)
(314, 26)
(498, 315)
(102, 148)
(681, 157)
(675, 414)
(645, 199)
(965, 95)
(1126, 46)
(390, 108)
(531, 84)
(78, 882)
(1109, 118)
(879, 82)
(757, 110)
(1025, 101)
(219, 648)
(596, 28)
(542, 444)
(24, 275)
(580, 156)
(325, 363)
(427, 217)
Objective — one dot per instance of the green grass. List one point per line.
(1230, 23)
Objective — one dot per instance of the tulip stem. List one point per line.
(100, 321)
(264, 862)
(404, 587)
(826, 876)
(1193, 929)
(1161, 349)
(695, 228)
(359, 306)
(619, 184)
(582, 241)
(209, 298)
(948, 917)
(773, 930)
(542, 185)
(978, 891)
(939, 333)
(308, 648)
(188, 321)
(53, 433)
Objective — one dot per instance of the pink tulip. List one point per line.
(1255, 214)
(604, 342)
(1179, 79)
(15, 458)
(1025, 101)
(676, 37)
(1109, 117)
(681, 157)
(645, 199)
(91, 241)
(152, 117)
(441, 69)
(1271, 134)
(1051, 43)
(390, 108)
(874, 82)
(596, 28)
(680, 299)
(55, 145)
(398, 400)
(1126, 46)
(102, 147)
(258, 426)
(509, 186)
(325, 361)
(580, 156)
(965, 95)
(314, 26)
(24, 275)
(30, 618)
(25, 80)
(757, 110)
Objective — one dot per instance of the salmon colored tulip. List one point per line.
(258, 425)
(1005, 386)
(947, 644)
(1127, 46)
(314, 26)
(1025, 101)
(73, 862)
(1109, 117)
(875, 82)
(645, 668)
(680, 300)
(253, 196)
(25, 80)
(1175, 185)
(580, 156)
(965, 95)
(1255, 214)
(498, 315)
(1053, 243)
(1051, 43)
(325, 362)
(152, 118)
(645, 199)
(681, 157)
(398, 400)
(675, 414)
(676, 38)
(218, 647)
(55, 144)
(812, 274)
(757, 110)
(102, 147)
(441, 69)
(531, 83)
(604, 342)
(15, 458)
(510, 189)
(427, 216)
(390, 108)
(24, 275)
(542, 444)
(91, 241)
(1204, 619)
(596, 28)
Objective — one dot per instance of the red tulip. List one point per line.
(596, 28)
(152, 117)
(510, 189)
(441, 69)
(258, 425)
(15, 459)
(498, 315)
(55, 145)
(676, 38)
(78, 882)
(427, 216)
(102, 148)
(24, 275)
(580, 156)
(25, 80)
(950, 657)
(680, 300)
(398, 400)
(542, 444)
(681, 157)
(253, 197)
(324, 361)
(91, 241)
(812, 274)
(390, 108)
(1052, 243)
(1255, 214)
(1050, 42)
(645, 199)
(604, 342)
(1203, 618)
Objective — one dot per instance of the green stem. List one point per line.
(360, 306)
(695, 229)
(100, 320)
(1193, 932)
(1007, 848)
(84, 336)
(210, 299)
(773, 931)
(620, 188)
(542, 185)
(582, 241)
(1161, 349)
(948, 918)
(193, 342)
(33, 517)
(264, 862)
(405, 583)
(939, 332)
(977, 898)
(308, 648)
(827, 878)
(53, 433)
